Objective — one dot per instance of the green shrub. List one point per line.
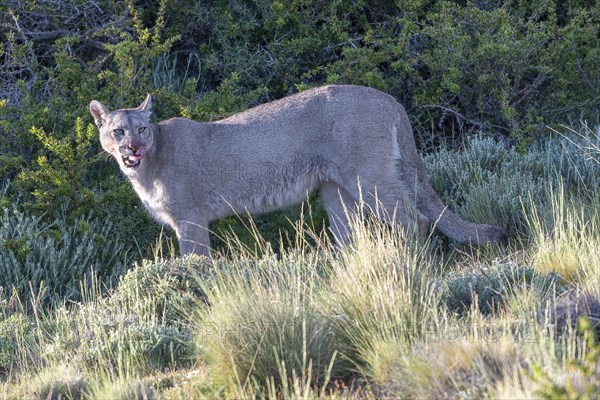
(141, 324)
(490, 289)
(54, 261)
(135, 345)
(439, 58)
(163, 289)
(489, 183)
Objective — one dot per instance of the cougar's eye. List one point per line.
(141, 129)
(119, 133)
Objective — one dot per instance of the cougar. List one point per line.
(353, 144)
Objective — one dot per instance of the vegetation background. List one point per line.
(496, 92)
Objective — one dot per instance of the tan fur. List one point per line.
(345, 141)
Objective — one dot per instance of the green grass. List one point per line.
(384, 317)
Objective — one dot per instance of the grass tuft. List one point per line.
(568, 243)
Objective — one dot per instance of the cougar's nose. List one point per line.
(135, 145)
(137, 149)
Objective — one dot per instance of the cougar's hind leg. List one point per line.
(391, 200)
(341, 209)
(398, 209)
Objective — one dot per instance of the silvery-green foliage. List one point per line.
(56, 259)
(141, 323)
(491, 288)
(490, 183)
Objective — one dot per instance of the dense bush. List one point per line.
(507, 68)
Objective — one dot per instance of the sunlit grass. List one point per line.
(568, 242)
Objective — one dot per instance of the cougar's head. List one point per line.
(126, 134)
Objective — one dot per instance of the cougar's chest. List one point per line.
(155, 200)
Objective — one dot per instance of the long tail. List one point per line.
(428, 201)
(450, 224)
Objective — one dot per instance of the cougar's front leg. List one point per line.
(193, 238)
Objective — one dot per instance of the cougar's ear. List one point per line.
(99, 112)
(146, 106)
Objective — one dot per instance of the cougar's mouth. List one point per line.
(133, 160)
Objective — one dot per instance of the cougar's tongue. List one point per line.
(139, 155)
